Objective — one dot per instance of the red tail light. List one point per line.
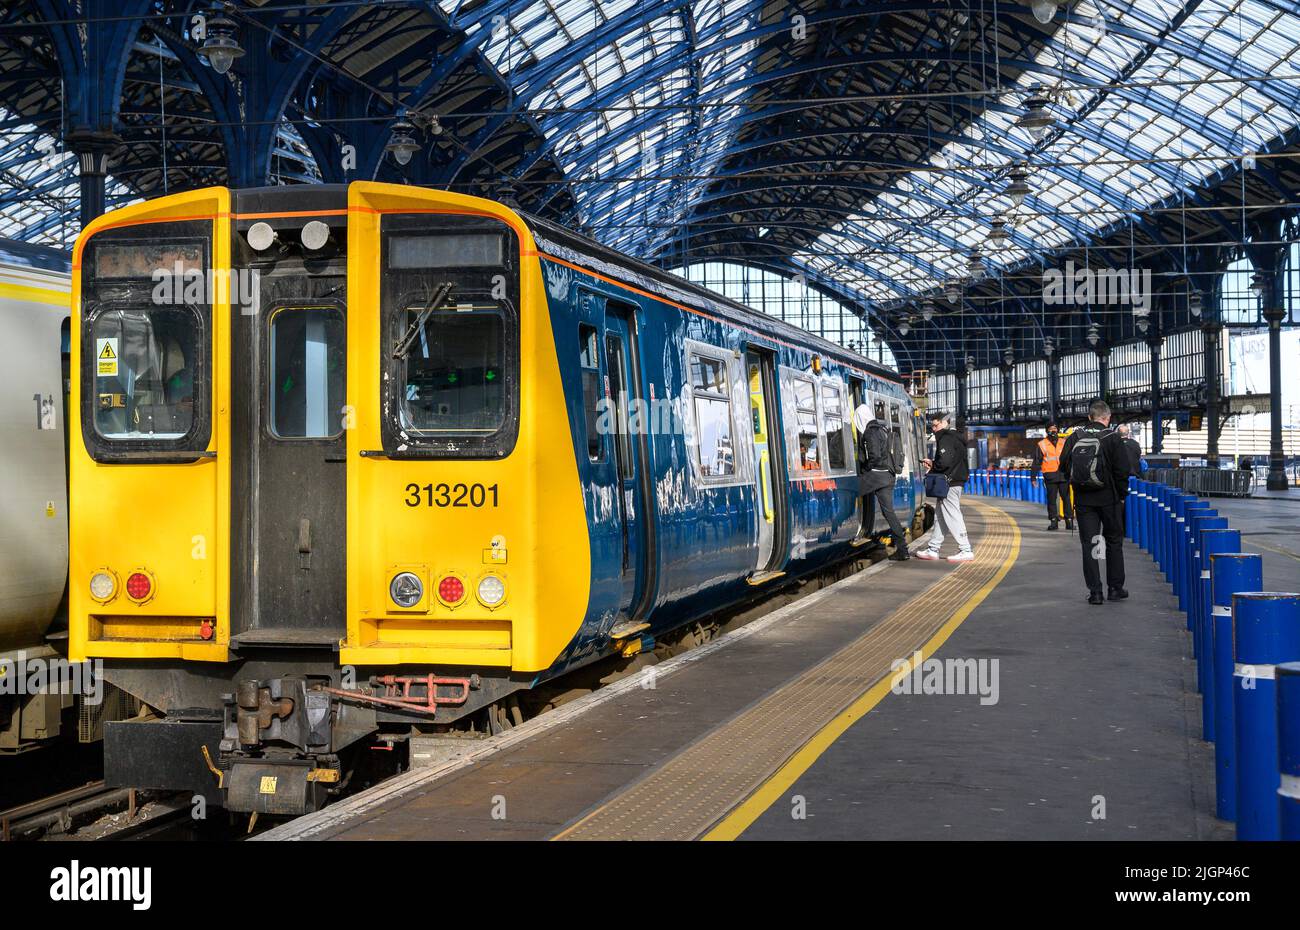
(138, 586)
(451, 590)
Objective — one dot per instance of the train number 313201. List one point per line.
(451, 495)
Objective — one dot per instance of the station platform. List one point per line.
(788, 728)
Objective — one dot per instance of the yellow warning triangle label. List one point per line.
(108, 351)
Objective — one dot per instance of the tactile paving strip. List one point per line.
(690, 792)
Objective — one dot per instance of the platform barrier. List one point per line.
(1288, 747)
(1266, 633)
(1214, 542)
(1233, 573)
(1246, 641)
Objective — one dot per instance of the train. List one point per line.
(35, 334)
(350, 462)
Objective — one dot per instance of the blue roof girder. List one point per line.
(686, 234)
(865, 189)
(268, 83)
(1073, 174)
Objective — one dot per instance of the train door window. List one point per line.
(896, 425)
(589, 364)
(711, 398)
(143, 370)
(805, 406)
(306, 372)
(455, 370)
(617, 404)
(833, 428)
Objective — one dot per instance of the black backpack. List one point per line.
(896, 461)
(1089, 468)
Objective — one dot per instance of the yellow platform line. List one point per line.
(728, 769)
(743, 815)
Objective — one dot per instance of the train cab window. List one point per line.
(711, 391)
(589, 364)
(805, 406)
(833, 428)
(307, 373)
(143, 370)
(455, 370)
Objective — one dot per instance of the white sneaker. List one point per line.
(962, 557)
(927, 555)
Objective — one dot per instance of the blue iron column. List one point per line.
(1008, 392)
(1103, 371)
(959, 377)
(1274, 315)
(1211, 333)
(1154, 342)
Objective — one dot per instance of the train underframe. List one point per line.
(279, 736)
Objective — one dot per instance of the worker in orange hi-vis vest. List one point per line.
(1047, 461)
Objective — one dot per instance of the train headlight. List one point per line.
(406, 589)
(491, 591)
(103, 586)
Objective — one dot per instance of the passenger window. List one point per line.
(589, 363)
(307, 373)
(455, 370)
(805, 405)
(833, 423)
(710, 389)
(144, 372)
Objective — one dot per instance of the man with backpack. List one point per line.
(880, 460)
(1099, 468)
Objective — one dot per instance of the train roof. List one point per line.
(579, 250)
(30, 255)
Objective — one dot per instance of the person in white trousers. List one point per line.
(949, 460)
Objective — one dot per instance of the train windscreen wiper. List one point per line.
(436, 302)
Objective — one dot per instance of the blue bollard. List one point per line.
(1234, 573)
(1266, 633)
(1179, 517)
(1212, 542)
(1204, 520)
(1190, 577)
(1162, 526)
(1144, 515)
(1288, 748)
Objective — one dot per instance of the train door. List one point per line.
(770, 481)
(858, 391)
(289, 375)
(631, 459)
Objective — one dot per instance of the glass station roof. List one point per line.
(1149, 98)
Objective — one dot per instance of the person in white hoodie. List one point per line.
(880, 459)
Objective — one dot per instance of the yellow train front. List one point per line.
(353, 462)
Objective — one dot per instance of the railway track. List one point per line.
(93, 811)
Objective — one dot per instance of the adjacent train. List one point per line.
(34, 334)
(364, 460)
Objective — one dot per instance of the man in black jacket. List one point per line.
(876, 474)
(950, 460)
(1099, 476)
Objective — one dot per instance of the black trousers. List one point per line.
(1058, 500)
(1101, 530)
(884, 499)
